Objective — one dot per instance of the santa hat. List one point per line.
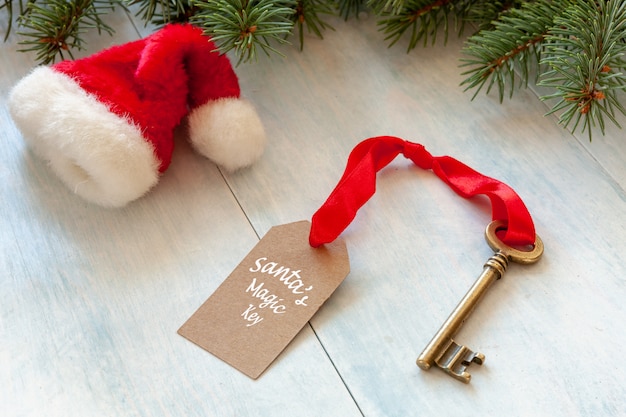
(106, 122)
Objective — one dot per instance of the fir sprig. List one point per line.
(514, 43)
(422, 19)
(309, 13)
(8, 6)
(585, 52)
(485, 12)
(348, 7)
(389, 6)
(244, 25)
(56, 26)
(160, 12)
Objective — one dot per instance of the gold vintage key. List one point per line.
(442, 350)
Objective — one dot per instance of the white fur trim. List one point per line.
(228, 131)
(98, 155)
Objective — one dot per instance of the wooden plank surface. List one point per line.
(91, 298)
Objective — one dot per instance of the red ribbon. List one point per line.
(358, 184)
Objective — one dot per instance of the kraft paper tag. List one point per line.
(269, 297)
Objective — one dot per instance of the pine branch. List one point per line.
(160, 12)
(307, 13)
(56, 26)
(244, 25)
(484, 12)
(585, 51)
(515, 40)
(422, 17)
(393, 7)
(348, 7)
(8, 5)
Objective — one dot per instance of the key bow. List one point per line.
(513, 254)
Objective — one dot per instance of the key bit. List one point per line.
(455, 359)
(442, 350)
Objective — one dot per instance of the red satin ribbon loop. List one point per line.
(358, 184)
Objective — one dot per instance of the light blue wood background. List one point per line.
(91, 298)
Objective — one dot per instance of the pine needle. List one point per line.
(244, 26)
(56, 27)
(514, 42)
(309, 13)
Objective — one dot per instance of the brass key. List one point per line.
(442, 350)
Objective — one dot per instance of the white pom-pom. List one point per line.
(228, 131)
